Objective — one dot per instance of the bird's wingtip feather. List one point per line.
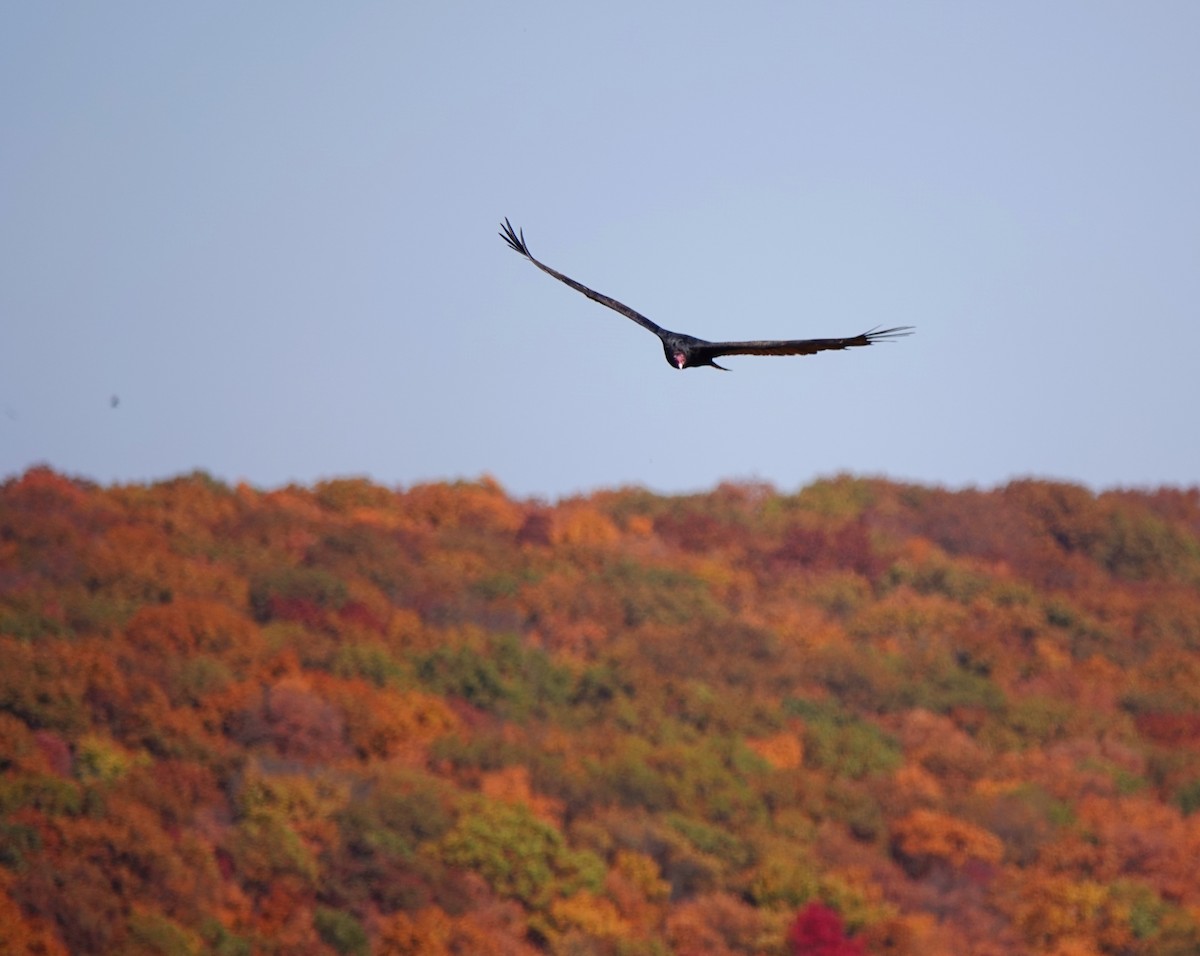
(514, 238)
(883, 335)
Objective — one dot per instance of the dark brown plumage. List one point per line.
(687, 351)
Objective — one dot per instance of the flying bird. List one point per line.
(687, 351)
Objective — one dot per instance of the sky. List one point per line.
(260, 240)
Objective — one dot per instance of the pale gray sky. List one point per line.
(271, 230)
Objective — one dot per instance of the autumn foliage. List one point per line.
(862, 718)
(818, 931)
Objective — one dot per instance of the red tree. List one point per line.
(818, 931)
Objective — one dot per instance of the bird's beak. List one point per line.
(680, 358)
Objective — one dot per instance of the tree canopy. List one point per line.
(866, 717)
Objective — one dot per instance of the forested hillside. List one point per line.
(864, 718)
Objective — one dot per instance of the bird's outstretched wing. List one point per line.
(516, 242)
(799, 346)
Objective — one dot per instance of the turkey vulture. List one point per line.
(687, 351)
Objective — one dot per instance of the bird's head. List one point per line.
(677, 350)
(683, 351)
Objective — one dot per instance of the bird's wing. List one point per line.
(516, 242)
(801, 346)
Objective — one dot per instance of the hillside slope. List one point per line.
(350, 719)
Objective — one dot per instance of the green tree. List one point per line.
(520, 855)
